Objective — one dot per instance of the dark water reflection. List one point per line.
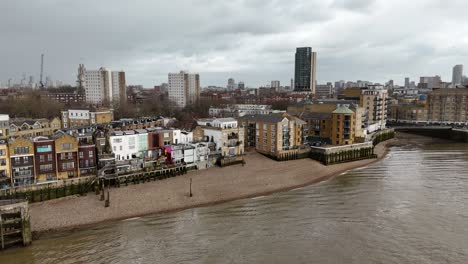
(409, 208)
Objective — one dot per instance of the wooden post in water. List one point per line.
(102, 190)
(190, 193)
(107, 203)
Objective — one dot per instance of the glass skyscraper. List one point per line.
(304, 72)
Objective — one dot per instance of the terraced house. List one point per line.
(44, 159)
(4, 164)
(66, 149)
(86, 117)
(87, 158)
(33, 128)
(21, 152)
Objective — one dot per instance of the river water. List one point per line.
(412, 207)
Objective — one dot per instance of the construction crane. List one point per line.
(41, 83)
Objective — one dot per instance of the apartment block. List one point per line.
(343, 126)
(274, 133)
(335, 122)
(103, 86)
(448, 105)
(184, 88)
(374, 100)
(321, 111)
(224, 133)
(409, 113)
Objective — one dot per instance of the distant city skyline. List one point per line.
(354, 40)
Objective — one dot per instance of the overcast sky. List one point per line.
(249, 40)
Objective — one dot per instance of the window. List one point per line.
(68, 165)
(49, 157)
(91, 154)
(117, 140)
(67, 146)
(2, 152)
(25, 160)
(21, 150)
(62, 156)
(41, 158)
(81, 154)
(17, 159)
(45, 167)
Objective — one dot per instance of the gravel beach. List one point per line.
(260, 176)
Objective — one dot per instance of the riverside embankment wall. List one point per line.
(458, 135)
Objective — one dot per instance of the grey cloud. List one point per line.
(354, 4)
(252, 40)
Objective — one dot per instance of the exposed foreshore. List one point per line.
(260, 176)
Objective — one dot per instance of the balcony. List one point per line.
(233, 136)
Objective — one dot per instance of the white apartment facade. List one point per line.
(239, 110)
(374, 101)
(104, 86)
(184, 88)
(124, 144)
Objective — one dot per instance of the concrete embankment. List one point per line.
(458, 135)
(259, 176)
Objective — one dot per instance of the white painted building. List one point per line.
(104, 86)
(184, 88)
(239, 110)
(5, 125)
(223, 123)
(224, 133)
(186, 137)
(193, 153)
(124, 144)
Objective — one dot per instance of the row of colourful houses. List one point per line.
(25, 161)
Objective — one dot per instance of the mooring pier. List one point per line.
(15, 227)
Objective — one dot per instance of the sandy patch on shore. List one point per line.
(260, 176)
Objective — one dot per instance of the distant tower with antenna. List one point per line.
(41, 83)
(80, 78)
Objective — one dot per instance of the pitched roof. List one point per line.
(315, 116)
(343, 110)
(271, 118)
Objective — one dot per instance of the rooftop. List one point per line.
(342, 109)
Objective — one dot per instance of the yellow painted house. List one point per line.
(66, 155)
